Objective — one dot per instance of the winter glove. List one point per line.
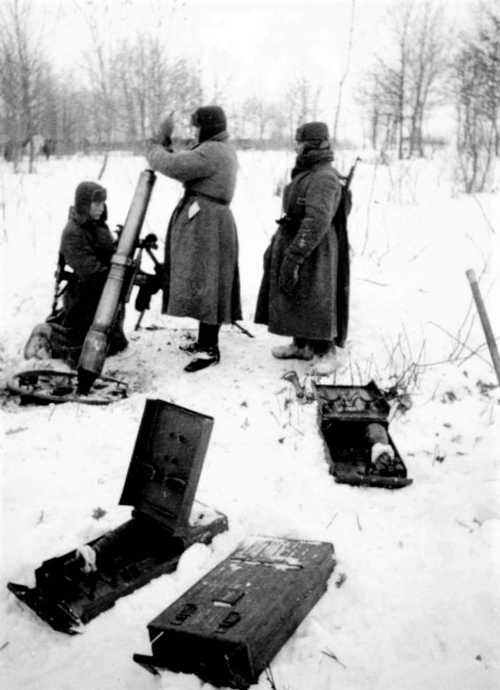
(289, 274)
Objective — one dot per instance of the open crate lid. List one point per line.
(352, 403)
(166, 464)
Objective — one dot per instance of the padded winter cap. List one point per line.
(86, 193)
(312, 131)
(211, 120)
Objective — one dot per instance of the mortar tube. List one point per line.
(95, 346)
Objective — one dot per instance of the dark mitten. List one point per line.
(163, 136)
(289, 274)
(165, 131)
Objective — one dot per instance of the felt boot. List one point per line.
(292, 351)
(326, 364)
(38, 345)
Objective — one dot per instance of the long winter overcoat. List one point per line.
(310, 202)
(201, 278)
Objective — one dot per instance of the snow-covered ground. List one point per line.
(420, 603)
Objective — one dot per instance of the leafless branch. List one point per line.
(345, 74)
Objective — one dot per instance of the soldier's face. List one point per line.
(299, 147)
(195, 133)
(96, 209)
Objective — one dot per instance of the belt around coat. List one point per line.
(195, 193)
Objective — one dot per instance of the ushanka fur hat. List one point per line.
(86, 193)
(312, 131)
(211, 120)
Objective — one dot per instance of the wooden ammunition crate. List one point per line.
(231, 623)
(344, 415)
(160, 485)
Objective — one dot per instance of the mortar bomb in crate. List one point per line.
(228, 627)
(161, 484)
(354, 423)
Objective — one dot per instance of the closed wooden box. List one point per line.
(231, 623)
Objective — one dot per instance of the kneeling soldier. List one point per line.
(84, 260)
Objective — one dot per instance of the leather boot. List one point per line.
(204, 359)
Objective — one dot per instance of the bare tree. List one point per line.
(184, 93)
(426, 60)
(277, 124)
(21, 66)
(397, 77)
(488, 54)
(370, 97)
(97, 16)
(344, 74)
(74, 120)
(258, 114)
(301, 102)
(385, 91)
(150, 83)
(129, 70)
(218, 88)
(402, 88)
(477, 83)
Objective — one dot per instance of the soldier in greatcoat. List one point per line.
(201, 277)
(300, 295)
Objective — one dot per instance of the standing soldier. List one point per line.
(300, 295)
(201, 278)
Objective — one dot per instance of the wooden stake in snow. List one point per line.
(485, 322)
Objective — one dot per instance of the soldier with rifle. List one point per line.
(305, 288)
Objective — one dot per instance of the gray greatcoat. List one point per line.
(201, 249)
(307, 233)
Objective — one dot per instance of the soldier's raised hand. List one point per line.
(166, 130)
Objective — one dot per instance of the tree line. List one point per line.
(130, 86)
(424, 67)
(431, 68)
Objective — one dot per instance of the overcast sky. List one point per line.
(250, 47)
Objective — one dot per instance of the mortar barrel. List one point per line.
(95, 345)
